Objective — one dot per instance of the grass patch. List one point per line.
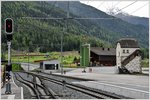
(145, 63)
(67, 59)
(16, 67)
(25, 58)
(70, 66)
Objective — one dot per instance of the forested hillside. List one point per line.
(117, 27)
(45, 34)
(134, 19)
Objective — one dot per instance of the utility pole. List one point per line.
(18, 59)
(62, 35)
(84, 58)
(28, 58)
(18, 48)
(84, 46)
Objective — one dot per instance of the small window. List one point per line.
(49, 66)
(123, 51)
(127, 51)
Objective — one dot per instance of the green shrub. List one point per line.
(16, 67)
(145, 63)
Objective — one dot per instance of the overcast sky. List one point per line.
(137, 8)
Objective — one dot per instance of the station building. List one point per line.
(128, 56)
(100, 56)
(50, 66)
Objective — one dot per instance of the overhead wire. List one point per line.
(139, 8)
(101, 4)
(47, 18)
(126, 6)
(87, 2)
(117, 3)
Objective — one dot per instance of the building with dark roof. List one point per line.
(128, 58)
(128, 43)
(102, 56)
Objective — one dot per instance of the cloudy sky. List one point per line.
(137, 8)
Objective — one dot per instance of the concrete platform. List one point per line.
(104, 70)
(145, 71)
(133, 86)
(17, 92)
(127, 90)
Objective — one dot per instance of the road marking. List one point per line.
(124, 84)
(21, 92)
(11, 97)
(13, 80)
(112, 86)
(121, 87)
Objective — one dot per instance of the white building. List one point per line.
(128, 59)
(50, 66)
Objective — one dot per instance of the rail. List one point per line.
(86, 90)
(34, 87)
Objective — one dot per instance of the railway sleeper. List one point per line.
(98, 94)
(29, 85)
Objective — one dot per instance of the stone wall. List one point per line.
(134, 65)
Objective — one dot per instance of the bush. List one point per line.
(16, 67)
(145, 63)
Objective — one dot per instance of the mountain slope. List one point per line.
(134, 19)
(43, 34)
(118, 26)
(46, 34)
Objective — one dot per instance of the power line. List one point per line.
(117, 3)
(138, 8)
(87, 2)
(41, 18)
(126, 6)
(97, 18)
(101, 4)
(67, 18)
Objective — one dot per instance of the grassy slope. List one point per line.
(68, 57)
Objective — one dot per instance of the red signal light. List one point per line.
(9, 25)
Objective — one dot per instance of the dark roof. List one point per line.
(128, 43)
(103, 51)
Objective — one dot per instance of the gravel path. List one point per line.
(26, 92)
(67, 92)
(69, 80)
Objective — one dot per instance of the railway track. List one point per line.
(68, 77)
(83, 89)
(40, 91)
